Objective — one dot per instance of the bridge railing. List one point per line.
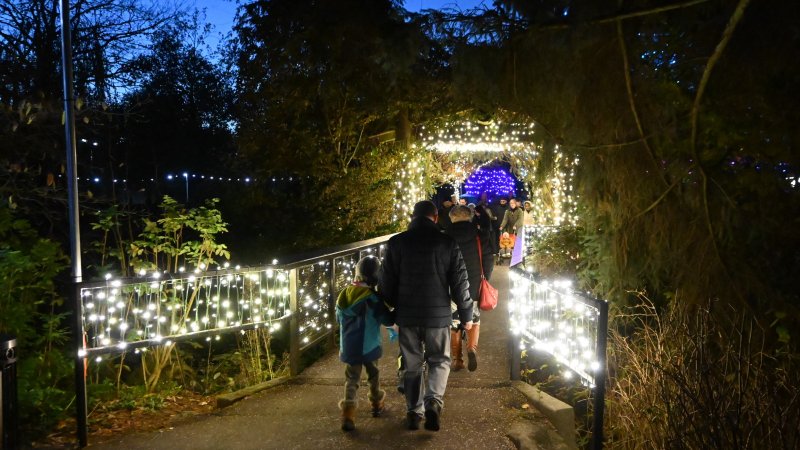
(155, 309)
(551, 316)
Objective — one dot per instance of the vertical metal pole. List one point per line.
(600, 378)
(294, 324)
(332, 291)
(516, 356)
(74, 223)
(513, 342)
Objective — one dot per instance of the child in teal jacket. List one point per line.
(360, 313)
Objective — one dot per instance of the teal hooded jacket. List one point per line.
(360, 314)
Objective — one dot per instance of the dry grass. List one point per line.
(701, 378)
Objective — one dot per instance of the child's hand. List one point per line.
(392, 333)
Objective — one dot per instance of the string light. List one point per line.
(470, 137)
(551, 191)
(549, 316)
(411, 185)
(245, 179)
(552, 194)
(156, 308)
(494, 181)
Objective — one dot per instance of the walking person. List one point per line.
(528, 218)
(483, 220)
(512, 224)
(443, 213)
(422, 270)
(499, 208)
(466, 234)
(360, 314)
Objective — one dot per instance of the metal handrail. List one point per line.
(132, 313)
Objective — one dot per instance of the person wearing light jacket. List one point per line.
(360, 313)
(512, 224)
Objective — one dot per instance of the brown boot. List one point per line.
(377, 402)
(472, 346)
(348, 415)
(455, 350)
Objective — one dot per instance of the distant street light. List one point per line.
(186, 177)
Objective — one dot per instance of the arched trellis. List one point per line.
(449, 152)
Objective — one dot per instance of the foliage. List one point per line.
(178, 238)
(335, 113)
(164, 244)
(683, 118)
(681, 189)
(257, 361)
(698, 378)
(105, 34)
(323, 99)
(557, 253)
(175, 75)
(30, 311)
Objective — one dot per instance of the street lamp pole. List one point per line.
(74, 225)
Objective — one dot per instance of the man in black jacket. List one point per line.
(422, 270)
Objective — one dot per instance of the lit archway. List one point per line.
(449, 153)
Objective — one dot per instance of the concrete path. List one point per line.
(480, 408)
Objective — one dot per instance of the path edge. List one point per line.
(560, 414)
(228, 399)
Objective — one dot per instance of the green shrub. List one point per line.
(29, 310)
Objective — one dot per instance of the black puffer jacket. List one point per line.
(421, 268)
(466, 234)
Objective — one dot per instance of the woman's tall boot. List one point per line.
(455, 350)
(472, 346)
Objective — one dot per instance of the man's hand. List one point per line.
(466, 325)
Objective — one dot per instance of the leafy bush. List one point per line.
(557, 253)
(29, 310)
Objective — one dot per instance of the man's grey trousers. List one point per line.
(431, 345)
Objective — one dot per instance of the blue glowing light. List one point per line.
(494, 181)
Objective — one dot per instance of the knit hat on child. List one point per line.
(368, 270)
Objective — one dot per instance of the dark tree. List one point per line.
(322, 88)
(179, 116)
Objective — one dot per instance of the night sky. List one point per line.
(220, 12)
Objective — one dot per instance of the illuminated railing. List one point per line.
(154, 309)
(550, 316)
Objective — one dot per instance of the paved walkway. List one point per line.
(480, 408)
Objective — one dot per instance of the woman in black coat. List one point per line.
(486, 232)
(465, 232)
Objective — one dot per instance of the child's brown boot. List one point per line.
(377, 403)
(348, 415)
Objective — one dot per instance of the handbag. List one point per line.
(487, 293)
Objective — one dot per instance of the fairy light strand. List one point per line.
(552, 194)
(549, 316)
(156, 308)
